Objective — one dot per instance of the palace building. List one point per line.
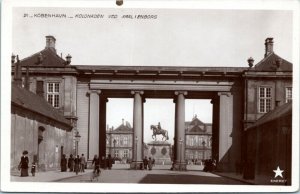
(198, 140)
(119, 142)
(240, 96)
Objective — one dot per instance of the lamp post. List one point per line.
(180, 144)
(115, 141)
(77, 139)
(136, 142)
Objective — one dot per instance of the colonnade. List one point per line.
(97, 117)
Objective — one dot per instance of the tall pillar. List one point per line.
(215, 129)
(137, 157)
(94, 107)
(225, 130)
(102, 127)
(180, 163)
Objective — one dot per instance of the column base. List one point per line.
(179, 166)
(137, 165)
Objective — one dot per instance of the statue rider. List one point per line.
(158, 126)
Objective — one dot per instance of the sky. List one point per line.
(177, 37)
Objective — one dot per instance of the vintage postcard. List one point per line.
(150, 96)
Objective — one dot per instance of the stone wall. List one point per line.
(25, 135)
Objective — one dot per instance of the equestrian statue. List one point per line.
(157, 130)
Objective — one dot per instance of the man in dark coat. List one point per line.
(24, 164)
(71, 163)
(63, 163)
(145, 161)
(77, 164)
(109, 162)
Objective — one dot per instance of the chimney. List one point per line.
(122, 121)
(268, 46)
(27, 79)
(18, 73)
(50, 43)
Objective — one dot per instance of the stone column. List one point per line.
(102, 127)
(137, 130)
(93, 143)
(180, 131)
(225, 129)
(215, 129)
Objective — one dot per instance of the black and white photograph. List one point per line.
(150, 96)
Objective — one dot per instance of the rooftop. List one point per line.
(280, 111)
(32, 102)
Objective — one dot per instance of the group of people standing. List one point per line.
(74, 164)
(148, 163)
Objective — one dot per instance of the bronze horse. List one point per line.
(157, 131)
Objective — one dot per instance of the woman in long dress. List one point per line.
(24, 164)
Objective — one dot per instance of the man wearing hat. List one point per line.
(23, 166)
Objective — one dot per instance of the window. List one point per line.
(125, 154)
(264, 99)
(288, 94)
(53, 94)
(116, 153)
(125, 141)
(117, 141)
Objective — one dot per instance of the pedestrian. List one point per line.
(23, 166)
(63, 163)
(82, 161)
(103, 162)
(71, 163)
(77, 164)
(153, 162)
(109, 161)
(145, 161)
(150, 164)
(33, 168)
(96, 162)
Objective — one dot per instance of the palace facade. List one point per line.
(198, 140)
(119, 142)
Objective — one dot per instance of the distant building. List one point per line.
(119, 142)
(198, 140)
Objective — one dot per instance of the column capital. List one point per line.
(228, 94)
(137, 91)
(181, 92)
(94, 91)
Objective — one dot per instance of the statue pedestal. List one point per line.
(179, 166)
(136, 165)
(160, 151)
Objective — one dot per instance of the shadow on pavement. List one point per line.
(186, 179)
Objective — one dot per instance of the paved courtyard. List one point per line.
(159, 175)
